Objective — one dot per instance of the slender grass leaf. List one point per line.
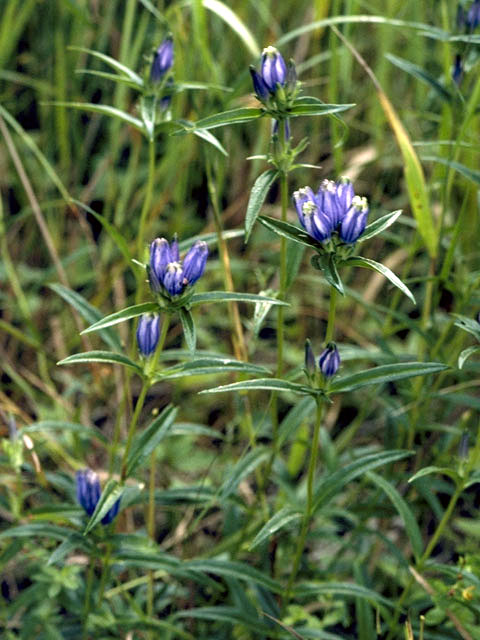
(385, 373)
(114, 234)
(210, 238)
(233, 21)
(427, 471)
(404, 511)
(359, 261)
(422, 75)
(233, 116)
(188, 328)
(114, 64)
(146, 441)
(317, 109)
(380, 225)
(148, 111)
(257, 198)
(468, 324)
(38, 529)
(88, 312)
(348, 589)
(277, 522)
(106, 357)
(466, 353)
(200, 86)
(109, 76)
(269, 384)
(75, 541)
(120, 316)
(289, 231)
(110, 494)
(210, 138)
(466, 172)
(243, 468)
(60, 425)
(335, 482)
(227, 296)
(191, 429)
(206, 366)
(222, 613)
(105, 110)
(235, 570)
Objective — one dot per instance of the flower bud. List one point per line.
(162, 61)
(355, 220)
(160, 257)
(273, 69)
(259, 85)
(309, 358)
(472, 18)
(315, 222)
(148, 332)
(301, 197)
(194, 262)
(457, 71)
(463, 446)
(329, 360)
(88, 494)
(173, 280)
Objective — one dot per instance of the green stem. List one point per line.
(331, 315)
(283, 272)
(146, 202)
(133, 424)
(309, 504)
(88, 597)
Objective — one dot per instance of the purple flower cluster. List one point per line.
(328, 361)
(334, 207)
(88, 494)
(274, 74)
(166, 271)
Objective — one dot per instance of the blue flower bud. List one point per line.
(309, 358)
(88, 490)
(463, 446)
(173, 280)
(334, 199)
(457, 71)
(88, 494)
(315, 222)
(195, 261)
(273, 69)
(329, 360)
(472, 19)
(301, 197)
(148, 332)
(355, 220)
(162, 61)
(160, 257)
(259, 85)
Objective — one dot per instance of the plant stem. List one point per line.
(309, 504)
(331, 315)
(88, 597)
(283, 273)
(133, 424)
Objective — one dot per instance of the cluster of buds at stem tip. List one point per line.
(148, 332)
(276, 84)
(162, 61)
(328, 362)
(170, 277)
(469, 19)
(88, 494)
(334, 208)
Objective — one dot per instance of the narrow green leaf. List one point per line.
(326, 264)
(243, 468)
(427, 471)
(277, 522)
(466, 172)
(114, 64)
(102, 356)
(188, 328)
(269, 384)
(227, 296)
(335, 482)
(349, 589)
(379, 225)
(63, 426)
(148, 111)
(468, 324)
(111, 492)
(207, 366)
(295, 255)
(302, 109)
(113, 77)
(235, 570)
(234, 116)
(37, 529)
(211, 139)
(385, 373)
(289, 231)
(225, 614)
(257, 198)
(146, 441)
(232, 20)
(359, 261)
(466, 353)
(106, 110)
(88, 312)
(404, 511)
(422, 75)
(120, 316)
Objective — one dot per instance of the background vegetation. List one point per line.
(385, 556)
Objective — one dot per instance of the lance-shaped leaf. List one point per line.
(314, 590)
(188, 328)
(120, 316)
(233, 116)
(359, 261)
(277, 522)
(385, 373)
(106, 110)
(289, 231)
(110, 494)
(146, 441)
(466, 353)
(257, 198)
(114, 64)
(241, 469)
(379, 225)
(227, 296)
(107, 357)
(314, 109)
(208, 366)
(268, 384)
(468, 324)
